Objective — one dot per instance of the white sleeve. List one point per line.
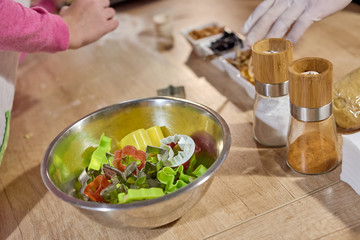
(8, 66)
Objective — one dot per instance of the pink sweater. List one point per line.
(31, 29)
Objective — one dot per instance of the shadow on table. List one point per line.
(22, 104)
(221, 81)
(126, 5)
(355, 8)
(18, 198)
(265, 170)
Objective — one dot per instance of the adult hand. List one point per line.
(277, 18)
(88, 20)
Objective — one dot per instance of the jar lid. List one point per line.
(310, 82)
(271, 58)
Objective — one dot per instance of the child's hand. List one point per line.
(88, 20)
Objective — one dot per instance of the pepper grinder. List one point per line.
(271, 58)
(312, 139)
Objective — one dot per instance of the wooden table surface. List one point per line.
(254, 195)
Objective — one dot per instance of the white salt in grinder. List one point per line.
(271, 58)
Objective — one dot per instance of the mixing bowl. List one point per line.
(66, 155)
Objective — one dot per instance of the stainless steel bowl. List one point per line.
(64, 158)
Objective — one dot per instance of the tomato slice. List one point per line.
(187, 163)
(93, 189)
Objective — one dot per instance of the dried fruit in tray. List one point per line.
(242, 62)
(205, 32)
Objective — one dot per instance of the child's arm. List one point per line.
(31, 30)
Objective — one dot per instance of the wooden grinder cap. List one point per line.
(310, 91)
(272, 67)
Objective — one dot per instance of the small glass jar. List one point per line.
(164, 31)
(272, 117)
(271, 58)
(312, 140)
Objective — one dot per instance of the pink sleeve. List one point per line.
(31, 29)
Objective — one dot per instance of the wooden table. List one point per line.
(253, 196)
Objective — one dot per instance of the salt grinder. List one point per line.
(271, 58)
(312, 139)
